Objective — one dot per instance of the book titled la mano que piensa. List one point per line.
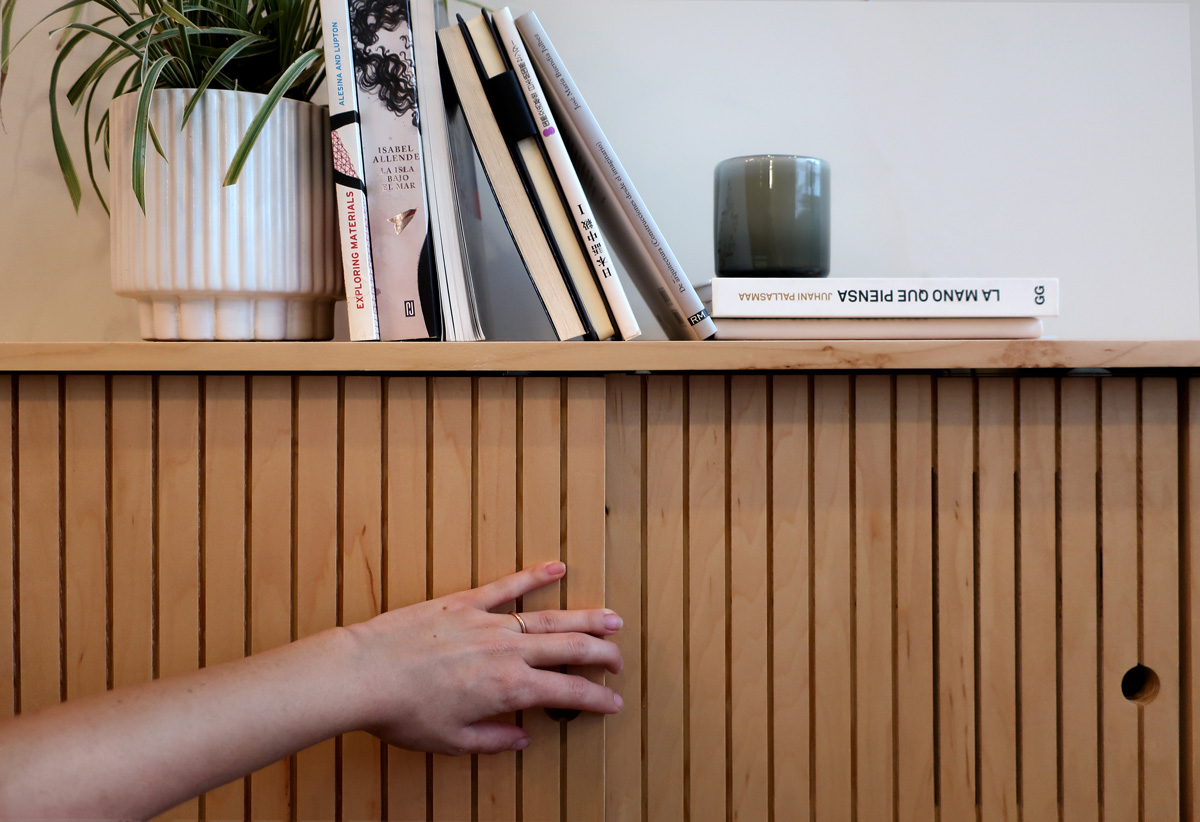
(885, 297)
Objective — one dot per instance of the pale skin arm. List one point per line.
(424, 677)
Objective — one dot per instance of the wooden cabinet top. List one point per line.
(596, 357)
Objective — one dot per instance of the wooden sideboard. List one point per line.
(860, 580)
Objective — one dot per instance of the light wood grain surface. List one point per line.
(846, 595)
(597, 357)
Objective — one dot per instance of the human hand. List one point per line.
(432, 673)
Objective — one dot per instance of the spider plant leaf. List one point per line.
(264, 46)
(6, 18)
(76, 14)
(101, 65)
(260, 118)
(95, 73)
(236, 13)
(187, 59)
(65, 164)
(179, 17)
(228, 54)
(141, 126)
(102, 128)
(91, 168)
(158, 149)
(116, 39)
(113, 6)
(7, 47)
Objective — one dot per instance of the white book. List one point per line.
(884, 297)
(878, 328)
(457, 298)
(508, 187)
(543, 190)
(568, 180)
(627, 223)
(348, 172)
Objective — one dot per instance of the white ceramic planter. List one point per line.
(255, 260)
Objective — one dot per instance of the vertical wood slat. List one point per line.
(85, 535)
(955, 596)
(748, 598)
(1120, 751)
(1160, 597)
(8, 591)
(270, 563)
(496, 556)
(997, 601)
(916, 692)
(1038, 601)
(178, 536)
(873, 596)
(132, 530)
(584, 552)
(1080, 619)
(38, 541)
(664, 727)
(705, 623)
(224, 569)
(453, 502)
(540, 528)
(833, 596)
(1191, 604)
(791, 556)
(407, 556)
(624, 477)
(664, 696)
(362, 572)
(317, 503)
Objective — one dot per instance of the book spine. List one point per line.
(357, 270)
(508, 105)
(884, 297)
(405, 282)
(443, 224)
(506, 184)
(569, 104)
(564, 169)
(878, 328)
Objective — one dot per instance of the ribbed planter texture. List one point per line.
(251, 261)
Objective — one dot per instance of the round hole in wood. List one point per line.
(1140, 684)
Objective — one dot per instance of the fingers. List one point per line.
(550, 689)
(508, 588)
(554, 650)
(597, 621)
(489, 736)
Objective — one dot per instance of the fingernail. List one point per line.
(520, 744)
(620, 702)
(556, 569)
(612, 622)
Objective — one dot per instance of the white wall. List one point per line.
(965, 139)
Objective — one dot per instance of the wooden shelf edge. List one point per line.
(605, 357)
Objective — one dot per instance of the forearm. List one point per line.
(141, 750)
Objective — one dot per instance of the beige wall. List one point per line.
(53, 263)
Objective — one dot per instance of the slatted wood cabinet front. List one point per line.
(874, 596)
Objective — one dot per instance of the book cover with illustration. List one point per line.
(405, 282)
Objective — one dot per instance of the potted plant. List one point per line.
(222, 222)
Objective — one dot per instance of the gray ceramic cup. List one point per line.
(771, 216)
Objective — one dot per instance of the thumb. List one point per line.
(490, 737)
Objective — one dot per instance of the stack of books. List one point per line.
(405, 147)
(875, 308)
